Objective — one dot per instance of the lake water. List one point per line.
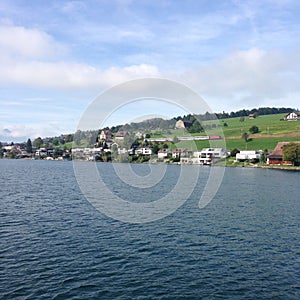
(245, 244)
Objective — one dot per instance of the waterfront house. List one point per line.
(41, 152)
(122, 151)
(180, 152)
(248, 155)
(276, 157)
(207, 155)
(164, 153)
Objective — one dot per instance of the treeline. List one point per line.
(255, 111)
(52, 141)
(146, 125)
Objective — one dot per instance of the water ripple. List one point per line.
(54, 245)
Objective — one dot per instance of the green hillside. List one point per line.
(269, 124)
(253, 144)
(272, 129)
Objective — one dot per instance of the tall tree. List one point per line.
(264, 155)
(245, 136)
(28, 146)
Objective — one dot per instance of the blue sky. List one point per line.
(57, 56)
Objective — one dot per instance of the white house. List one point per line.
(41, 152)
(180, 124)
(293, 116)
(197, 154)
(248, 155)
(139, 135)
(122, 151)
(8, 148)
(215, 152)
(144, 151)
(207, 155)
(180, 152)
(105, 135)
(163, 153)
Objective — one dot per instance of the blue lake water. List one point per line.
(245, 244)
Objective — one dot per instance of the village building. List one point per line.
(180, 152)
(105, 135)
(144, 151)
(180, 124)
(87, 153)
(122, 151)
(120, 135)
(293, 116)
(276, 157)
(8, 147)
(207, 155)
(248, 155)
(41, 152)
(139, 135)
(252, 116)
(164, 153)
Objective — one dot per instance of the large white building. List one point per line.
(207, 155)
(248, 155)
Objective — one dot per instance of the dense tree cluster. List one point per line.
(254, 129)
(291, 152)
(52, 141)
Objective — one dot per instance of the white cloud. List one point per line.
(17, 133)
(249, 78)
(21, 132)
(25, 54)
(63, 75)
(20, 42)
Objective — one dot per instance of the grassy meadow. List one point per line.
(272, 129)
(269, 124)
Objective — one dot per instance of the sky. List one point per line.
(56, 57)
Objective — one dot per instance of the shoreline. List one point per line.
(271, 167)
